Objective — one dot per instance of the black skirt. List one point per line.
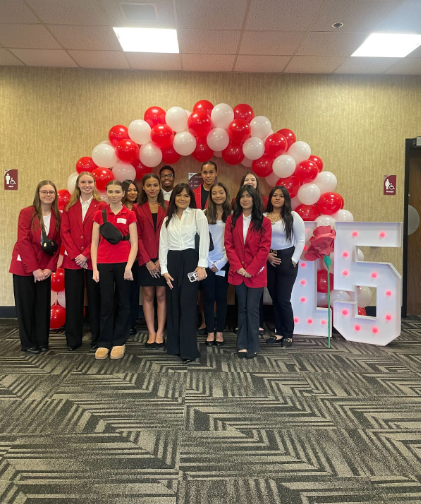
(147, 280)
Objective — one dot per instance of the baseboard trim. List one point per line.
(7, 312)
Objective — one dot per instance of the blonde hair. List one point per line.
(38, 209)
(76, 193)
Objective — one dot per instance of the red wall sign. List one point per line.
(389, 185)
(10, 180)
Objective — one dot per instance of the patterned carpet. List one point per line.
(304, 425)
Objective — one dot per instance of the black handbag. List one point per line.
(109, 232)
(48, 246)
(197, 240)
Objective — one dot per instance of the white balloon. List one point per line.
(150, 154)
(61, 298)
(308, 194)
(217, 139)
(272, 179)
(343, 216)
(104, 156)
(107, 142)
(71, 182)
(322, 299)
(123, 171)
(221, 115)
(325, 220)
(184, 143)
(284, 166)
(217, 153)
(300, 151)
(176, 118)
(140, 131)
(339, 295)
(104, 197)
(53, 297)
(326, 181)
(364, 296)
(248, 163)
(253, 148)
(295, 202)
(260, 127)
(187, 112)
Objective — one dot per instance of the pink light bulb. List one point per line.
(324, 322)
(357, 327)
(375, 330)
(345, 254)
(382, 234)
(388, 293)
(309, 321)
(303, 264)
(388, 317)
(354, 234)
(303, 282)
(345, 272)
(296, 320)
(344, 312)
(303, 299)
(374, 275)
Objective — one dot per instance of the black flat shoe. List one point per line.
(150, 345)
(202, 331)
(241, 355)
(287, 342)
(160, 345)
(72, 348)
(210, 342)
(251, 355)
(31, 350)
(275, 341)
(219, 343)
(188, 361)
(44, 348)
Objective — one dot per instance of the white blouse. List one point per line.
(246, 225)
(85, 206)
(180, 235)
(217, 256)
(47, 220)
(279, 238)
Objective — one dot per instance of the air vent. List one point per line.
(139, 12)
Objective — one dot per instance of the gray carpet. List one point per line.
(303, 425)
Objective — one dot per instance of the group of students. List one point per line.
(168, 239)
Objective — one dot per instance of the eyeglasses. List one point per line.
(50, 193)
(169, 175)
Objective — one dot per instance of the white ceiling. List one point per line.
(282, 36)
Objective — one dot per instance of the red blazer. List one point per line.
(148, 238)
(198, 197)
(251, 255)
(77, 235)
(27, 255)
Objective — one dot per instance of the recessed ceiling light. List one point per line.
(337, 25)
(388, 45)
(151, 40)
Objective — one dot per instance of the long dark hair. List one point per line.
(256, 211)
(285, 210)
(254, 175)
(125, 186)
(143, 198)
(172, 209)
(38, 209)
(226, 206)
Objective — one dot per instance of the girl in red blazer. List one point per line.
(76, 235)
(150, 213)
(247, 243)
(32, 267)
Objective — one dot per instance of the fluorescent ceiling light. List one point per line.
(388, 45)
(151, 40)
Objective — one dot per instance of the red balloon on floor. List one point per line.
(57, 317)
(322, 281)
(57, 280)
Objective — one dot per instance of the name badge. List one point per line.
(121, 221)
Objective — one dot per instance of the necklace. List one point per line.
(274, 217)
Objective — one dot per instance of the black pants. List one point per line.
(281, 279)
(181, 305)
(134, 295)
(215, 287)
(248, 317)
(74, 286)
(33, 304)
(114, 329)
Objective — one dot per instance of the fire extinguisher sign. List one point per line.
(10, 180)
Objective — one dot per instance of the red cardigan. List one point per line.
(251, 255)
(198, 197)
(77, 235)
(148, 237)
(27, 255)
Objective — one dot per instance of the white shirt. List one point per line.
(279, 238)
(85, 206)
(180, 235)
(217, 256)
(167, 194)
(246, 225)
(47, 220)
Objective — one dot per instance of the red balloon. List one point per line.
(318, 162)
(57, 317)
(203, 105)
(57, 280)
(329, 203)
(169, 155)
(292, 184)
(362, 311)
(342, 200)
(262, 167)
(233, 154)
(102, 177)
(154, 116)
(243, 111)
(239, 130)
(63, 197)
(162, 135)
(118, 133)
(199, 123)
(289, 135)
(127, 151)
(141, 169)
(85, 163)
(275, 145)
(307, 212)
(322, 281)
(306, 171)
(202, 152)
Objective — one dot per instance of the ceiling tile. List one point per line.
(15, 11)
(27, 35)
(288, 15)
(6, 58)
(149, 61)
(404, 19)
(165, 8)
(271, 42)
(208, 62)
(261, 63)
(89, 38)
(366, 65)
(208, 41)
(44, 57)
(69, 12)
(100, 59)
(313, 64)
(211, 15)
(330, 44)
(407, 66)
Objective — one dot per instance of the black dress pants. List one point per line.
(74, 287)
(181, 305)
(114, 329)
(281, 279)
(215, 287)
(33, 304)
(248, 317)
(134, 295)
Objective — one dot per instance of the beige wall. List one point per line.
(356, 124)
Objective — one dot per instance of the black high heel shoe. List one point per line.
(241, 355)
(210, 342)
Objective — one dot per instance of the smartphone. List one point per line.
(193, 276)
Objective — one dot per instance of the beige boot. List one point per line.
(102, 353)
(117, 352)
